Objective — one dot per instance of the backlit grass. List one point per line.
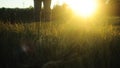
(69, 44)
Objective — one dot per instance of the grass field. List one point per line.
(71, 43)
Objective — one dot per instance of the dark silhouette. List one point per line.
(38, 10)
(16, 15)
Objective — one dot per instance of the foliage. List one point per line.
(72, 44)
(16, 15)
(27, 15)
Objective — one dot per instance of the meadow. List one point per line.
(71, 43)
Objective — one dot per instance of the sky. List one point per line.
(16, 3)
(22, 3)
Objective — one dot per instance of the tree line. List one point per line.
(17, 15)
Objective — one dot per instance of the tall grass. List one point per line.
(71, 44)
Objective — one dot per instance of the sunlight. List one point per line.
(84, 8)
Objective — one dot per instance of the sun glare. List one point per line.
(84, 8)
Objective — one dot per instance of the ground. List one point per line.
(73, 43)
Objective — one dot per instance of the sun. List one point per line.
(84, 8)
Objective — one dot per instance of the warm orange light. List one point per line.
(84, 8)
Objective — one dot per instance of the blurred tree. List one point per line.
(113, 7)
(30, 7)
(61, 12)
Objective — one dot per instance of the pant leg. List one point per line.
(37, 10)
(47, 10)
